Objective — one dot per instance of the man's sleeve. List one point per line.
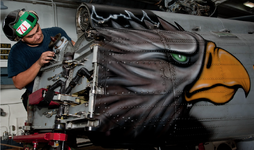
(12, 68)
(14, 65)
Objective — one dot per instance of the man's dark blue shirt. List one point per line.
(22, 56)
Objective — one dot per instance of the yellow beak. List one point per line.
(220, 78)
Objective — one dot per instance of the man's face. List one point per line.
(34, 37)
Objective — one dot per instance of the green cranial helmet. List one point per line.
(25, 24)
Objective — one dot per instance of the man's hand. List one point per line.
(24, 78)
(45, 58)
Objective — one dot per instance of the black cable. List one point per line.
(81, 72)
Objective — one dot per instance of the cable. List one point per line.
(55, 13)
(213, 11)
(9, 118)
(11, 103)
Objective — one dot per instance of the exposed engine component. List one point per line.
(193, 7)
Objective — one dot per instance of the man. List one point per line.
(31, 51)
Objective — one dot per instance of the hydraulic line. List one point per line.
(81, 72)
(50, 93)
(56, 85)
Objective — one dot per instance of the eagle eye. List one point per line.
(180, 58)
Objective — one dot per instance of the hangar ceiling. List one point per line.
(235, 8)
(224, 8)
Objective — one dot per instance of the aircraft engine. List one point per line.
(135, 79)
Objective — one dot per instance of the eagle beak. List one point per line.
(220, 78)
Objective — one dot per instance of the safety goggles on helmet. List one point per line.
(19, 23)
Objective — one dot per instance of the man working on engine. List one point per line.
(31, 51)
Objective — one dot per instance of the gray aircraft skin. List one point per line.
(149, 78)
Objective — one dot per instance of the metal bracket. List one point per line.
(68, 98)
(94, 82)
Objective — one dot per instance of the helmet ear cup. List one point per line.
(7, 25)
(31, 11)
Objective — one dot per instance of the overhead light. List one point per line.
(249, 4)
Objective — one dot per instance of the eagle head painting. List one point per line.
(152, 73)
